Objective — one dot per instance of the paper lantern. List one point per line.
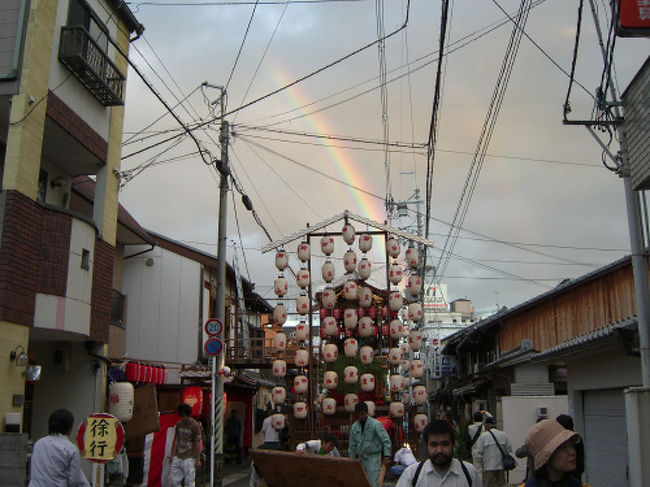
(364, 269)
(412, 257)
(350, 401)
(328, 271)
(415, 312)
(371, 408)
(414, 284)
(302, 331)
(406, 399)
(350, 290)
(121, 396)
(329, 326)
(417, 369)
(395, 273)
(300, 384)
(367, 382)
(193, 397)
(395, 300)
(365, 243)
(330, 380)
(303, 252)
(392, 247)
(404, 314)
(350, 261)
(302, 305)
(396, 409)
(330, 352)
(415, 340)
(302, 278)
(396, 329)
(366, 354)
(395, 356)
(366, 326)
(336, 313)
(277, 421)
(350, 347)
(350, 318)
(419, 395)
(302, 357)
(396, 383)
(280, 287)
(300, 410)
(328, 298)
(348, 233)
(279, 342)
(365, 297)
(280, 314)
(405, 364)
(279, 368)
(327, 245)
(351, 374)
(281, 260)
(372, 312)
(329, 406)
(278, 395)
(406, 383)
(420, 422)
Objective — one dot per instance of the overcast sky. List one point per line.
(544, 208)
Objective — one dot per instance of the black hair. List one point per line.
(184, 409)
(566, 421)
(330, 438)
(360, 406)
(439, 427)
(478, 416)
(60, 422)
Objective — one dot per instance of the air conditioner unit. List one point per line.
(542, 412)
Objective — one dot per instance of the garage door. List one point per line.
(605, 438)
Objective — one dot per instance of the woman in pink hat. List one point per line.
(553, 447)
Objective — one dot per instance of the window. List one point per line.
(42, 186)
(85, 259)
(117, 308)
(81, 15)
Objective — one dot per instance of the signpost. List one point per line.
(100, 438)
(213, 326)
(213, 347)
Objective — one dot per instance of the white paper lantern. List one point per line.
(279, 342)
(365, 243)
(415, 312)
(414, 284)
(280, 314)
(330, 352)
(280, 287)
(395, 273)
(350, 347)
(350, 318)
(328, 298)
(350, 261)
(366, 327)
(412, 257)
(367, 382)
(364, 269)
(405, 364)
(404, 314)
(328, 271)
(351, 374)
(122, 399)
(392, 247)
(350, 401)
(419, 395)
(277, 421)
(302, 331)
(329, 406)
(300, 410)
(404, 347)
(365, 297)
(327, 245)
(350, 290)
(330, 380)
(281, 260)
(395, 300)
(304, 252)
(417, 369)
(348, 233)
(302, 278)
(300, 384)
(278, 395)
(371, 408)
(406, 383)
(395, 356)
(279, 368)
(329, 326)
(396, 383)
(302, 305)
(396, 328)
(396, 409)
(366, 354)
(415, 340)
(420, 422)
(406, 399)
(302, 357)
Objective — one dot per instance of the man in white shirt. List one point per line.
(441, 469)
(326, 446)
(271, 435)
(487, 457)
(403, 458)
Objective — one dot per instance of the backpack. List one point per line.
(421, 464)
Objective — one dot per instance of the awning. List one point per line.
(470, 388)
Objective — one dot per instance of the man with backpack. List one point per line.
(488, 454)
(441, 469)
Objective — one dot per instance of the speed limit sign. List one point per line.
(213, 326)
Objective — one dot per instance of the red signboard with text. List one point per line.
(634, 18)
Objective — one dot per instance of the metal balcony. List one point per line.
(91, 65)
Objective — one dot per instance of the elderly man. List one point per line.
(370, 443)
(487, 457)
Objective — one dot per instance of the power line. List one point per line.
(241, 46)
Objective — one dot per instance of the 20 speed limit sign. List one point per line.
(213, 326)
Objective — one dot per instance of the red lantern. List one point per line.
(163, 378)
(384, 329)
(193, 396)
(348, 333)
(140, 373)
(372, 312)
(384, 312)
(323, 313)
(132, 372)
(336, 313)
(361, 312)
(374, 330)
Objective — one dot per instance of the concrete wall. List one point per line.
(12, 381)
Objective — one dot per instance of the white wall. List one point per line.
(518, 415)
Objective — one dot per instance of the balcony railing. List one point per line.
(91, 65)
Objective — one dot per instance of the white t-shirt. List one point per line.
(270, 433)
(404, 456)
